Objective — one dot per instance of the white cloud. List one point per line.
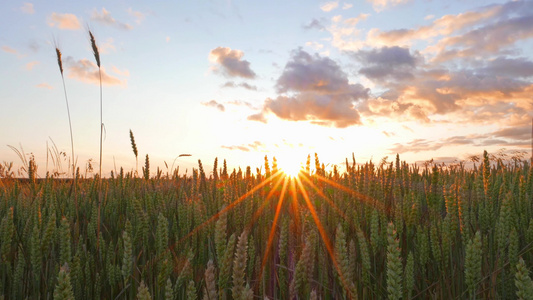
(329, 6)
(347, 6)
(106, 18)
(139, 16)
(107, 46)
(380, 5)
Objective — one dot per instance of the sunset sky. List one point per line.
(239, 80)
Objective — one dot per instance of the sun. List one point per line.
(290, 164)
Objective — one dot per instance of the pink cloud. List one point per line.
(86, 71)
(64, 21)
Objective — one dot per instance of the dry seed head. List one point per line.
(59, 61)
(133, 145)
(95, 49)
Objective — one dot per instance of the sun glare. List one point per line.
(290, 165)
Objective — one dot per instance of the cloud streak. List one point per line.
(255, 146)
(214, 104)
(105, 18)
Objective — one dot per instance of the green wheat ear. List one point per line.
(524, 285)
(63, 290)
(143, 293)
(239, 266)
(134, 147)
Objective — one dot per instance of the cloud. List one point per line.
(44, 85)
(27, 8)
(388, 133)
(488, 39)
(345, 34)
(512, 67)
(388, 62)
(313, 88)
(10, 50)
(106, 19)
(64, 21)
(329, 6)
(421, 145)
(117, 71)
(509, 136)
(241, 103)
(347, 6)
(139, 16)
(86, 71)
(231, 84)
(214, 104)
(380, 5)
(256, 146)
(107, 46)
(516, 133)
(443, 26)
(314, 24)
(29, 66)
(230, 62)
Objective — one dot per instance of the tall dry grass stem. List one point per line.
(97, 58)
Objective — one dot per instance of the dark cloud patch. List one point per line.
(214, 104)
(513, 67)
(230, 63)
(314, 88)
(388, 63)
(231, 84)
(314, 24)
(515, 133)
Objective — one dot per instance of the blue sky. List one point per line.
(239, 80)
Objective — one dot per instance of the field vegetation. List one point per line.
(387, 231)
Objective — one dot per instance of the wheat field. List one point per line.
(387, 231)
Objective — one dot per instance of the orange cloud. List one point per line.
(231, 63)
(64, 21)
(9, 50)
(86, 71)
(30, 65)
(44, 85)
(329, 6)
